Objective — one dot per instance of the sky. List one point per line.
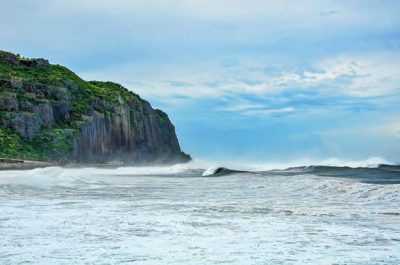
(252, 80)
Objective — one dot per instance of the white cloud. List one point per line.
(346, 76)
(268, 112)
(358, 76)
(255, 109)
(243, 107)
(372, 75)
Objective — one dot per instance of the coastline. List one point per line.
(20, 164)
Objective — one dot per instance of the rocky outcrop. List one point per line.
(16, 60)
(8, 102)
(126, 136)
(29, 123)
(77, 121)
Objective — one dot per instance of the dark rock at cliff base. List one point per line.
(49, 113)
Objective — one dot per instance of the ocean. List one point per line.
(186, 214)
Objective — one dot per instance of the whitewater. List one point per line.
(191, 214)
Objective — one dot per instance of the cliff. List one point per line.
(48, 113)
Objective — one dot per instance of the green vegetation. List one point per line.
(52, 143)
(36, 83)
(162, 118)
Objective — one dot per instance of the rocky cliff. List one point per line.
(49, 113)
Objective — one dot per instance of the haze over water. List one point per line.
(187, 215)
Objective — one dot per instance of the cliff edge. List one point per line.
(48, 113)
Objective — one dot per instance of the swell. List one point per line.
(378, 174)
(67, 177)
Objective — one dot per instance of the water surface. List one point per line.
(175, 215)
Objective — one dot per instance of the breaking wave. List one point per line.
(380, 174)
(368, 171)
(191, 211)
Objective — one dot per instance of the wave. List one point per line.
(221, 171)
(382, 174)
(72, 176)
(371, 162)
(370, 171)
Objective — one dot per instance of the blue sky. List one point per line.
(252, 80)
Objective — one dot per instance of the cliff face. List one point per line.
(49, 113)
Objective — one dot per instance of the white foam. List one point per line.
(69, 176)
(61, 176)
(270, 165)
(160, 220)
(209, 171)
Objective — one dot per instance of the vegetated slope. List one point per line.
(49, 113)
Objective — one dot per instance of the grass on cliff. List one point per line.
(84, 94)
(53, 143)
(54, 75)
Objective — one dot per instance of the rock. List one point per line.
(69, 85)
(59, 93)
(8, 102)
(24, 123)
(25, 106)
(16, 60)
(39, 62)
(61, 111)
(45, 112)
(5, 83)
(28, 124)
(31, 95)
(16, 83)
(101, 105)
(9, 58)
(41, 91)
(27, 87)
(129, 137)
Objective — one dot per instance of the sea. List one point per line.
(193, 214)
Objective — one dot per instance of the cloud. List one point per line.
(345, 82)
(274, 58)
(248, 108)
(243, 107)
(358, 76)
(269, 112)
